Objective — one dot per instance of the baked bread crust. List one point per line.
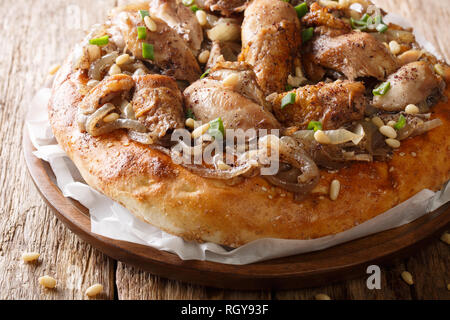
(177, 201)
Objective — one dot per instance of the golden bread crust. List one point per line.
(171, 198)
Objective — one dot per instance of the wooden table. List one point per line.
(36, 34)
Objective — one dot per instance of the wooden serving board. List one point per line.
(337, 263)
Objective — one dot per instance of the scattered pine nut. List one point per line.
(388, 132)
(30, 256)
(123, 59)
(54, 69)
(446, 238)
(391, 123)
(322, 296)
(201, 17)
(94, 290)
(222, 165)
(378, 122)
(393, 143)
(394, 47)
(115, 69)
(94, 52)
(47, 282)
(200, 131)
(407, 277)
(150, 24)
(412, 109)
(190, 123)
(409, 56)
(203, 56)
(335, 187)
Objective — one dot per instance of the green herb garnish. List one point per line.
(190, 114)
(148, 51)
(205, 74)
(400, 123)
(142, 33)
(302, 9)
(194, 8)
(288, 99)
(144, 13)
(100, 41)
(382, 89)
(314, 125)
(216, 129)
(307, 34)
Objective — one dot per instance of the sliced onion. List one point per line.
(219, 174)
(427, 126)
(140, 137)
(99, 66)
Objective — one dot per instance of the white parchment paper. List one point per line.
(111, 220)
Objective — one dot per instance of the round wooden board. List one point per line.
(312, 269)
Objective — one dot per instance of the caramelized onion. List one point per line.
(98, 67)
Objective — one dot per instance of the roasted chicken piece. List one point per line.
(324, 22)
(270, 42)
(158, 104)
(333, 104)
(171, 53)
(225, 7)
(356, 54)
(231, 93)
(223, 51)
(411, 84)
(180, 18)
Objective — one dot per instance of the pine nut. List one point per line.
(393, 143)
(439, 68)
(190, 123)
(115, 69)
(407, 277)
(231, 80)
(139, 72)
(47, 282)
(394, 47)
(201, 17)
(412, 109)
(391, 123)
(54, 69)
(322, 296)
(150, 24)
(92, 83)
(30, 256)
(321, 137)
(94, 290)
(111, 117)
(94, 52)
(200, 131)
(446, 238)
(409, 56)
(203, 56)
(335, 187)
(123, 59)
(377, 121)
(388, 132)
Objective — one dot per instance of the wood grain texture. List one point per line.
(31, 43)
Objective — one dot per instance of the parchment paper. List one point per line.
(110, 219)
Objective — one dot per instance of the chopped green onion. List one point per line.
(289, 87)
(190, 114)
(302, 9)
(205, 74)
(382, 89)
(381, 28)
(148, 51)
(307, 34)
(288, 99)
(314, 125)
(359, 24)
(100, 41)
(216, 129)
(400, 123)
(188, 3)
(194, 8)
(142, 33)
(144, 13)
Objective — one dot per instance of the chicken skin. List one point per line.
(270, 42)
(333, 104)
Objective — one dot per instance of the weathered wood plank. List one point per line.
(34, 36)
